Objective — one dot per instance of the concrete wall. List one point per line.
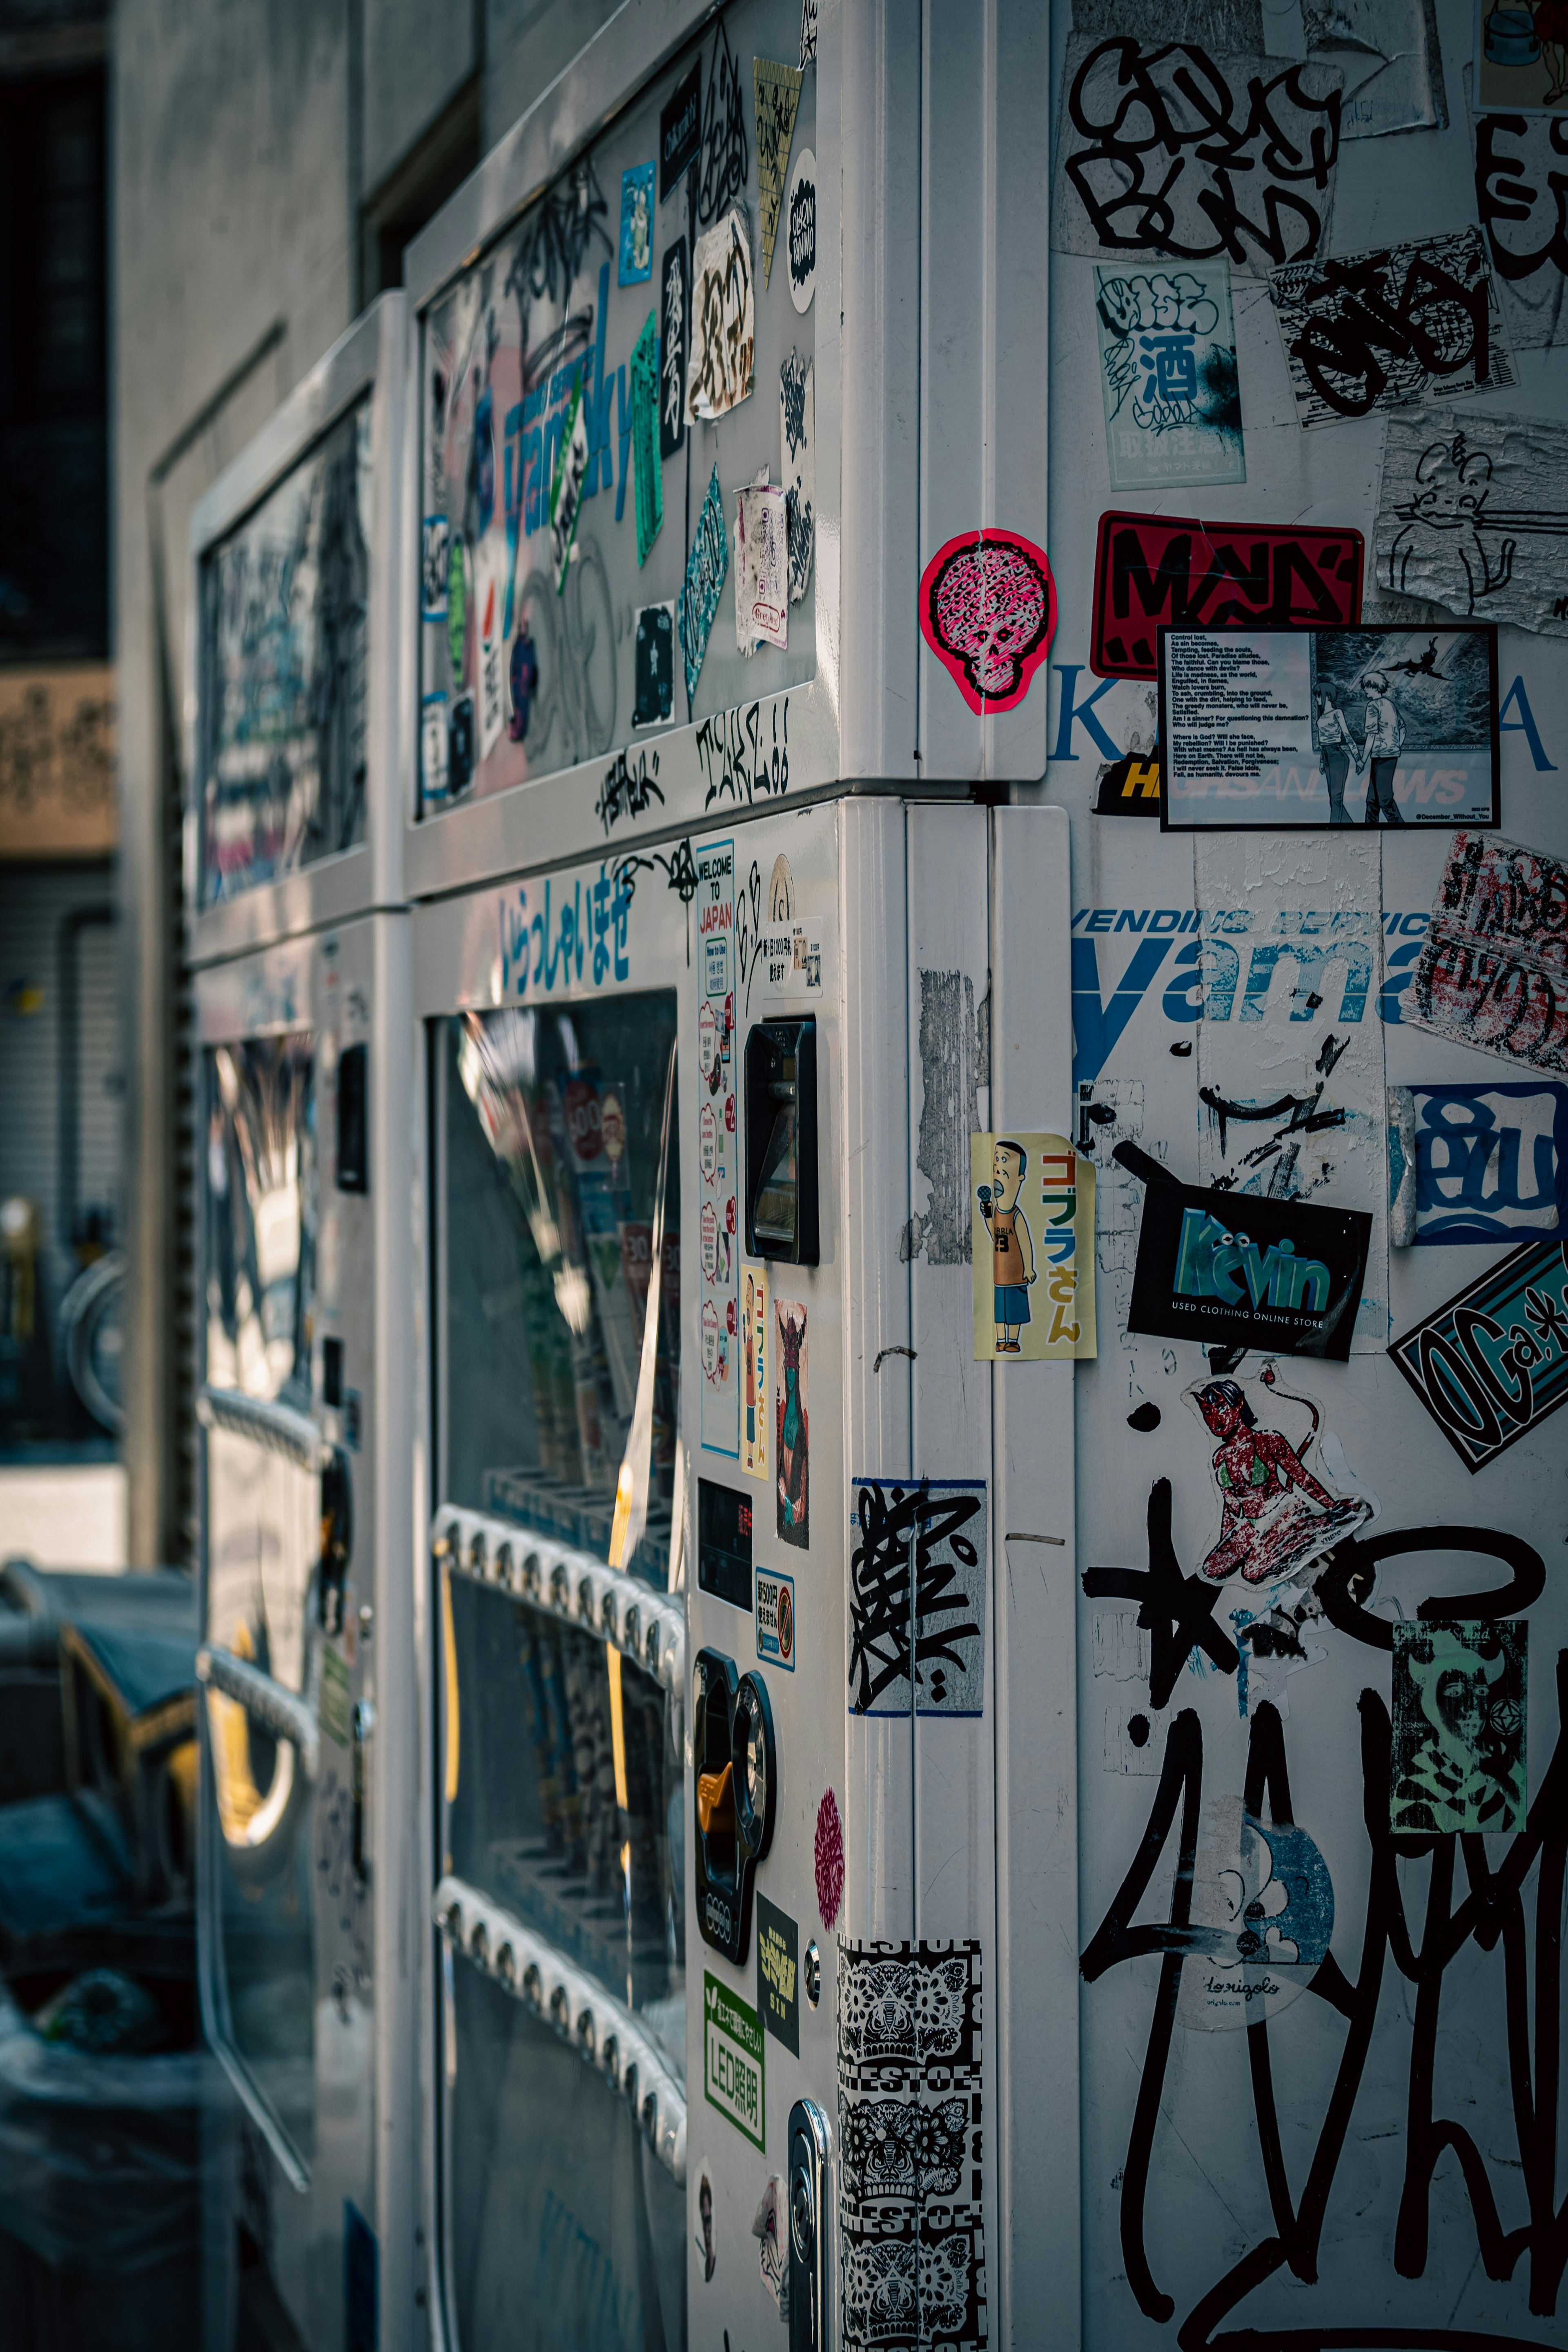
(246, 137)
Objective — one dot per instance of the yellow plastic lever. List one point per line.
(716, 1800)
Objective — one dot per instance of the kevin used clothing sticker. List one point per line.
(1032, 1247)
(1232, 1270)
(733, 2058)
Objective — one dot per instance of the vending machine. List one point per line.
(749, 1666)
(298, 940)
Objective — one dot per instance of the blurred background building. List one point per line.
(269, 166)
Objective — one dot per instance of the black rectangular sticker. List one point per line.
(1230, 1269)
(680, 131)
(725, 1544)
(778, 1974)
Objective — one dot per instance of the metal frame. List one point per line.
(372, 356)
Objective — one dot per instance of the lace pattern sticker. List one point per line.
(910, 2147)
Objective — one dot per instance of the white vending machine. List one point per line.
(749, 1652)
(302, 1147)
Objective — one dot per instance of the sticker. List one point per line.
(522, 680)
(1522, 56)
(705, 2248)
(705, 568)
(776, 95)
(1133, 177)
(643, 371)
(1517, 205)
(988, 612)
(775, 1619)
(1129, 787)
(1373, 331)
(769, 2228)
(637, 225)
(433, 746)
(807, 33)
(1492, 1363)
(732, 2062)
(911, 2158)
(800, 228)
(674, 326)
(778, 1948)
(757, 1396)
(492, 683)
(335, 1702)
(460, 746)
(1213, 575)
(1459, 1760)
(793, 1495)
(761, 567)
(434, 558)
(726, 158)
(1262, 1919)
(1280, 728)
(1274, 1641)
(1238, 1271)
(719, 1294)
(1475, 508)
(1493, 969)
(1480, 1163)
(723, 366)
(920, 1562)
(680, 131)
(1276, 1514)
(827, 1860)
(1032, 1248)
(566, 489)
(1388, 53)
(457, 611)
(1167, 360)
(653, 666)
(797, 436)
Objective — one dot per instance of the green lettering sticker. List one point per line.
(335, 1705)
(733, 2058)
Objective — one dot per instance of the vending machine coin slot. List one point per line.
(780, 1141)
(735, 1797)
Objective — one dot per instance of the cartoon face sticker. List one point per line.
(1262, 1919)
(988, 612)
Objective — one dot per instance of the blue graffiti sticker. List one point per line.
(1262, 1919)
(1486, 1163)
(637, 223)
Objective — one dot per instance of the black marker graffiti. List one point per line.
(1492, 1911)
(912, 1594)
(736, 762)
(627, 790)
(726, 158)
(749, 929)
(678, 867)
(1378, 329)
(1175, 1610)
(1165, 152)
(556, 241)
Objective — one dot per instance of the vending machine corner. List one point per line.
(298, 940)
(750, 1672)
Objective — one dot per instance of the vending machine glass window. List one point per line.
(284, 623)
(563, 1751)
(263, 1541)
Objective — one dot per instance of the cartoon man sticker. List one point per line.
(1381, 747)
(1013, 1248)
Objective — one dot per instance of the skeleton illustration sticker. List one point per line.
(1276, 1514)
(988, 612)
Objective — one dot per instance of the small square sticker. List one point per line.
(775, 1619)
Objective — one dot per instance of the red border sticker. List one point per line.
(1172, 569)
(988, 612)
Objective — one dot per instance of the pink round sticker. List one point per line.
(988, 612)
(829, 1859)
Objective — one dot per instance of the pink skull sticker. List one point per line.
(988, 611)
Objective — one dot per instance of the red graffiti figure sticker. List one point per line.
(829, 1859)
(988, 612)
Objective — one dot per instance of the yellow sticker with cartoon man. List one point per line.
(1032, 1244)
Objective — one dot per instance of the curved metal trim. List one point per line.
(646, 1626)
(604, 2032)
(282, 1712)
(281, 1426)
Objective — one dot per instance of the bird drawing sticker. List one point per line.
(791, 1460)
(988, 612)
(1277, 1515)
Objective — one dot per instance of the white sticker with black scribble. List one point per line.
(918, 1560)
(910, 2148)
(1369, 330)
